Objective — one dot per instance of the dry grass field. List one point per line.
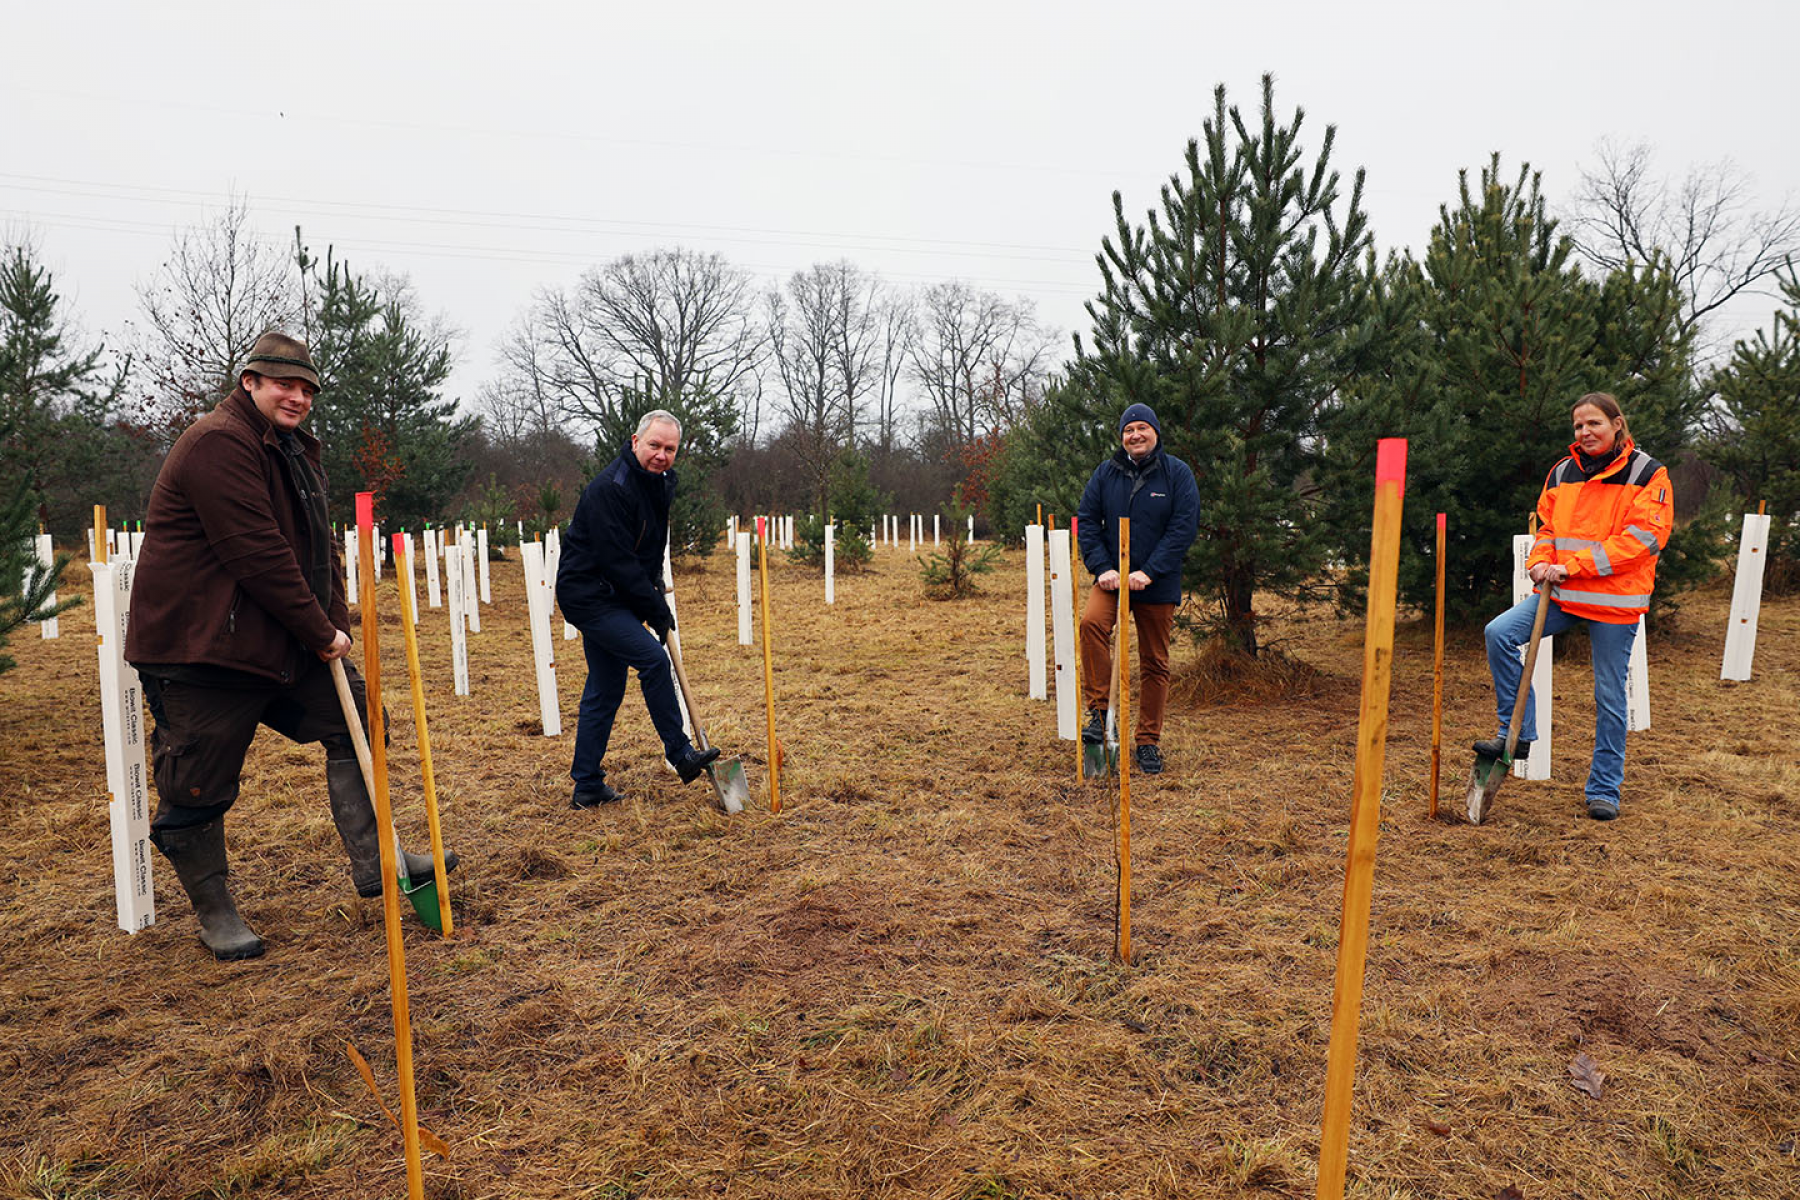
(901, 984)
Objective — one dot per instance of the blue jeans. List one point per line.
(615, 641)
(1611, 649)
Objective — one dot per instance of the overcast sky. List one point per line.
(486, 150)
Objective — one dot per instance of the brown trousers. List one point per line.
(1153, 622)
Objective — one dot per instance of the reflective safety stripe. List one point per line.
(1602, 564)
(1640, 469)
(1576, 544)
(1601, 599)
(1644, 536)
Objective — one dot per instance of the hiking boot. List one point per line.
(693, 764)
(1149, 759)
(594, 797)
(354, 814)
(1094, 732)
(198, 855)
(1602, 810)
(1495, 747)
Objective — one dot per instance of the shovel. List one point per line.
(1489, 773)
(424, 897)
(727, 774)
(1101, 760)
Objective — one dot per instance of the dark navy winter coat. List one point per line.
(1163, 503)
(613, 554)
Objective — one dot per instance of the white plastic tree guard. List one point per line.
(743, 587)
(380, 552)
(46, 557)
(935, 541)
(1034, 612)
(122, 729)
(552, 564)
(465, 544)
(830, 567)
(1637, 685)
(456, 582)
(1062, 635)
(971, 527)
(404, 563)
(481, 550)
(1538, 765)
(433, 595)
(538, 600)
(1746, 598)
(350, 589)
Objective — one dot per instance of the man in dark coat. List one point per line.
(1156, 491)
(237, 611)
(610, 585)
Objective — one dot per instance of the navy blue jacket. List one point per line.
(613, 554)
(1163, 503)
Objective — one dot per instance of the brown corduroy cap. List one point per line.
(281, 357)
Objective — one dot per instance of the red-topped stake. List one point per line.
(1365, 816)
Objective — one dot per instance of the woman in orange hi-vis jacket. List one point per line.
(1603, 518)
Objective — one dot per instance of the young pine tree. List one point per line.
(1231, 312)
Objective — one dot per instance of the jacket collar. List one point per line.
(1621, 452)
(647, 478)
(1127, 463)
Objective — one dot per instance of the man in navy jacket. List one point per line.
(609, 585)
(1156, 491)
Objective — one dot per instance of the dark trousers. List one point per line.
(615, 642)
(1153, 623)
(202, 734)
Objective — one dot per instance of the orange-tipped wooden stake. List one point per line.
(1075, 588)
(99, 533)
(1365, 816)
(762, 550)
(1762, 507)
(1123, 667)
(384, 821)
(1040, 512)
(1437, 671)
(418, 700)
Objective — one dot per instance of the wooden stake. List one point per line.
(99, 533)
(768, 669)
(1075, 588)
(1123, 667)
(1365, 816)
(1437, 672)
(376, 749)
(408, 615)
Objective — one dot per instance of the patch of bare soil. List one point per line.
(901, 984)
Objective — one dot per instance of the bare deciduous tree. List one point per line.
(673, 323)
(219, 290)
(898, 327)
(980, 359)
(825, 342)
(1702, 228)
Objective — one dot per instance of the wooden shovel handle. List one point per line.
(687, 696)
(1531, 651)
(353, 719)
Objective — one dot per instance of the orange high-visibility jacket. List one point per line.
(1606, 532)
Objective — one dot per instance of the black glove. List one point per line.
(661, 623)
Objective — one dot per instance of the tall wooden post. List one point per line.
(1365, 816)
(768, 668)
(408, 617)
(1123, 667)
(1437, 671)
(390, 884)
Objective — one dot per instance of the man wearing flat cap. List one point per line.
(1157, 491)
(237, 610)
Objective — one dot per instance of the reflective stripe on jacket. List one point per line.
(1607, 532)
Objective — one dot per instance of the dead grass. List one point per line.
(900, 985)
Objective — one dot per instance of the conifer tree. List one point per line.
(1233, 312)
(1756, 440)
(1485, 347)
